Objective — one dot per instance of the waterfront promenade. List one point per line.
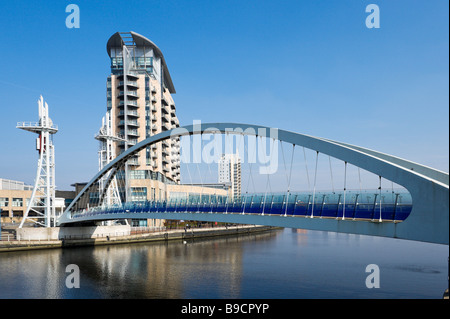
(135, 235)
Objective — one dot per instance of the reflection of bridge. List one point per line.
(423, 212)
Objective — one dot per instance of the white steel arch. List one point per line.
(429, 188)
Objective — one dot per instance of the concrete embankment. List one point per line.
(166, 235)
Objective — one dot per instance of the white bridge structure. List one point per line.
(427, 219)
(42, 206)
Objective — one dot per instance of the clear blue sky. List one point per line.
(307, 66)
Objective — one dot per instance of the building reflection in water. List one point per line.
(201, 268)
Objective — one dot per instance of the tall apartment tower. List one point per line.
(140, 104)
(230, 172)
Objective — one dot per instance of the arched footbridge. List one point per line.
(420, 213)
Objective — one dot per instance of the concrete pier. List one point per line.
(118, 236)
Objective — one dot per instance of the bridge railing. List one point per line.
(356, 205)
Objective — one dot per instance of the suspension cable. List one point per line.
(331, 173)
(289, 180)
(268, 177)
(345, 188)
(380, 220)
(306, 165)
(314, 189)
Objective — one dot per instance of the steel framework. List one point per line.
(42, 206)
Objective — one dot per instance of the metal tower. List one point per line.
(108, 189)
(41, 208)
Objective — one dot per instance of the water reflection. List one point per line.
(278, 264)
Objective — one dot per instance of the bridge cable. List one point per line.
(284, 164)
(380, 198)
(268, 177)
(215, 189)
(190, 179)
(289, 180)
(345, 188)
(314, 189)
(249, 175)
(306, 165)
(331, 173)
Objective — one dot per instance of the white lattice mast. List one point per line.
(41, 208)
(106, 153)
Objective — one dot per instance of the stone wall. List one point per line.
(58, 233)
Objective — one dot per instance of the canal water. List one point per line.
(282, 264)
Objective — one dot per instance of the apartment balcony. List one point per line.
(166, 143)
(165, 117)
(130, 113)
(130, 123)
(165, 109)
(166, 126)
(164, 100)
(165, 168)
(131, 103)
(151, 163)
(165, 152)
(133, 162)
(130, 84)
(130, 143)
(131, 94)
(154, 118)
(153, 88)
(133, 133)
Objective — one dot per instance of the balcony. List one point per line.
(130, 113)
(133, 133)
(131, 84)
(129, 103)
(132, 94)
(133, 162)
(133, 123)
(165, 118)
(166, 126)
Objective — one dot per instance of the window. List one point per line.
(17, 202)
(4, 201)
(138, 194)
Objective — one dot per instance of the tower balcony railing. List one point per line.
(129, 93)
(129, 83)
(165, 100)
(133, 133)
(129, 123)
(166, 126)
(165, 117)
(133, 113)
(132, 103)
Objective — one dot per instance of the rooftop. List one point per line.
(119, 39)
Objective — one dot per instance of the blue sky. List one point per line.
(308, 66)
